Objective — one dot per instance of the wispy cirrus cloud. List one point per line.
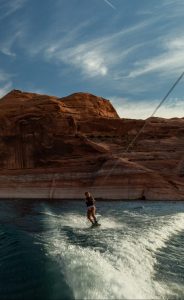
(110, 4)
(90, 62)
(7, 44)
(176, 6)
(4, 89)
(15, 28)
(66, 49)
(170, 61)
(5, 83)
(137, 48)
(8, 7)
(4, 76)
(94, 57)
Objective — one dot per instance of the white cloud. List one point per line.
(94, 57)
(4, 76)
(110, 4)
(110, 56)
(5, 83)
(170, 61)
(91, 62)
(174, 107)
(176, 6)
(8, 7)
(5, 89)
(7, 44)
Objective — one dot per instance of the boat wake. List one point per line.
(115, 261)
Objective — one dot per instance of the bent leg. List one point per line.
(89, 216)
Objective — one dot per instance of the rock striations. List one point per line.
(54, 147)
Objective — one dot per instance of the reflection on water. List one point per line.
(49, 251)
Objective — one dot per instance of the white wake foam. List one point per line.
(125, 270)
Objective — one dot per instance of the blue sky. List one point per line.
(128, 51)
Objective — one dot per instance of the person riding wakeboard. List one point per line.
(91, 209)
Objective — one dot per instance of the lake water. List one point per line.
(49, 251)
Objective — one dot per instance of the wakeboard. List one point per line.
(95, 225)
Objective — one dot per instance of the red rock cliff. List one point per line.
(54, 147)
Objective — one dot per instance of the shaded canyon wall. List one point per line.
(54, 147)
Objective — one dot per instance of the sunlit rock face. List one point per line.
(54, 147)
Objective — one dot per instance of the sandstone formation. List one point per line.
(54, 147)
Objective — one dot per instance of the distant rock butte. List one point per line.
(54, 147)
